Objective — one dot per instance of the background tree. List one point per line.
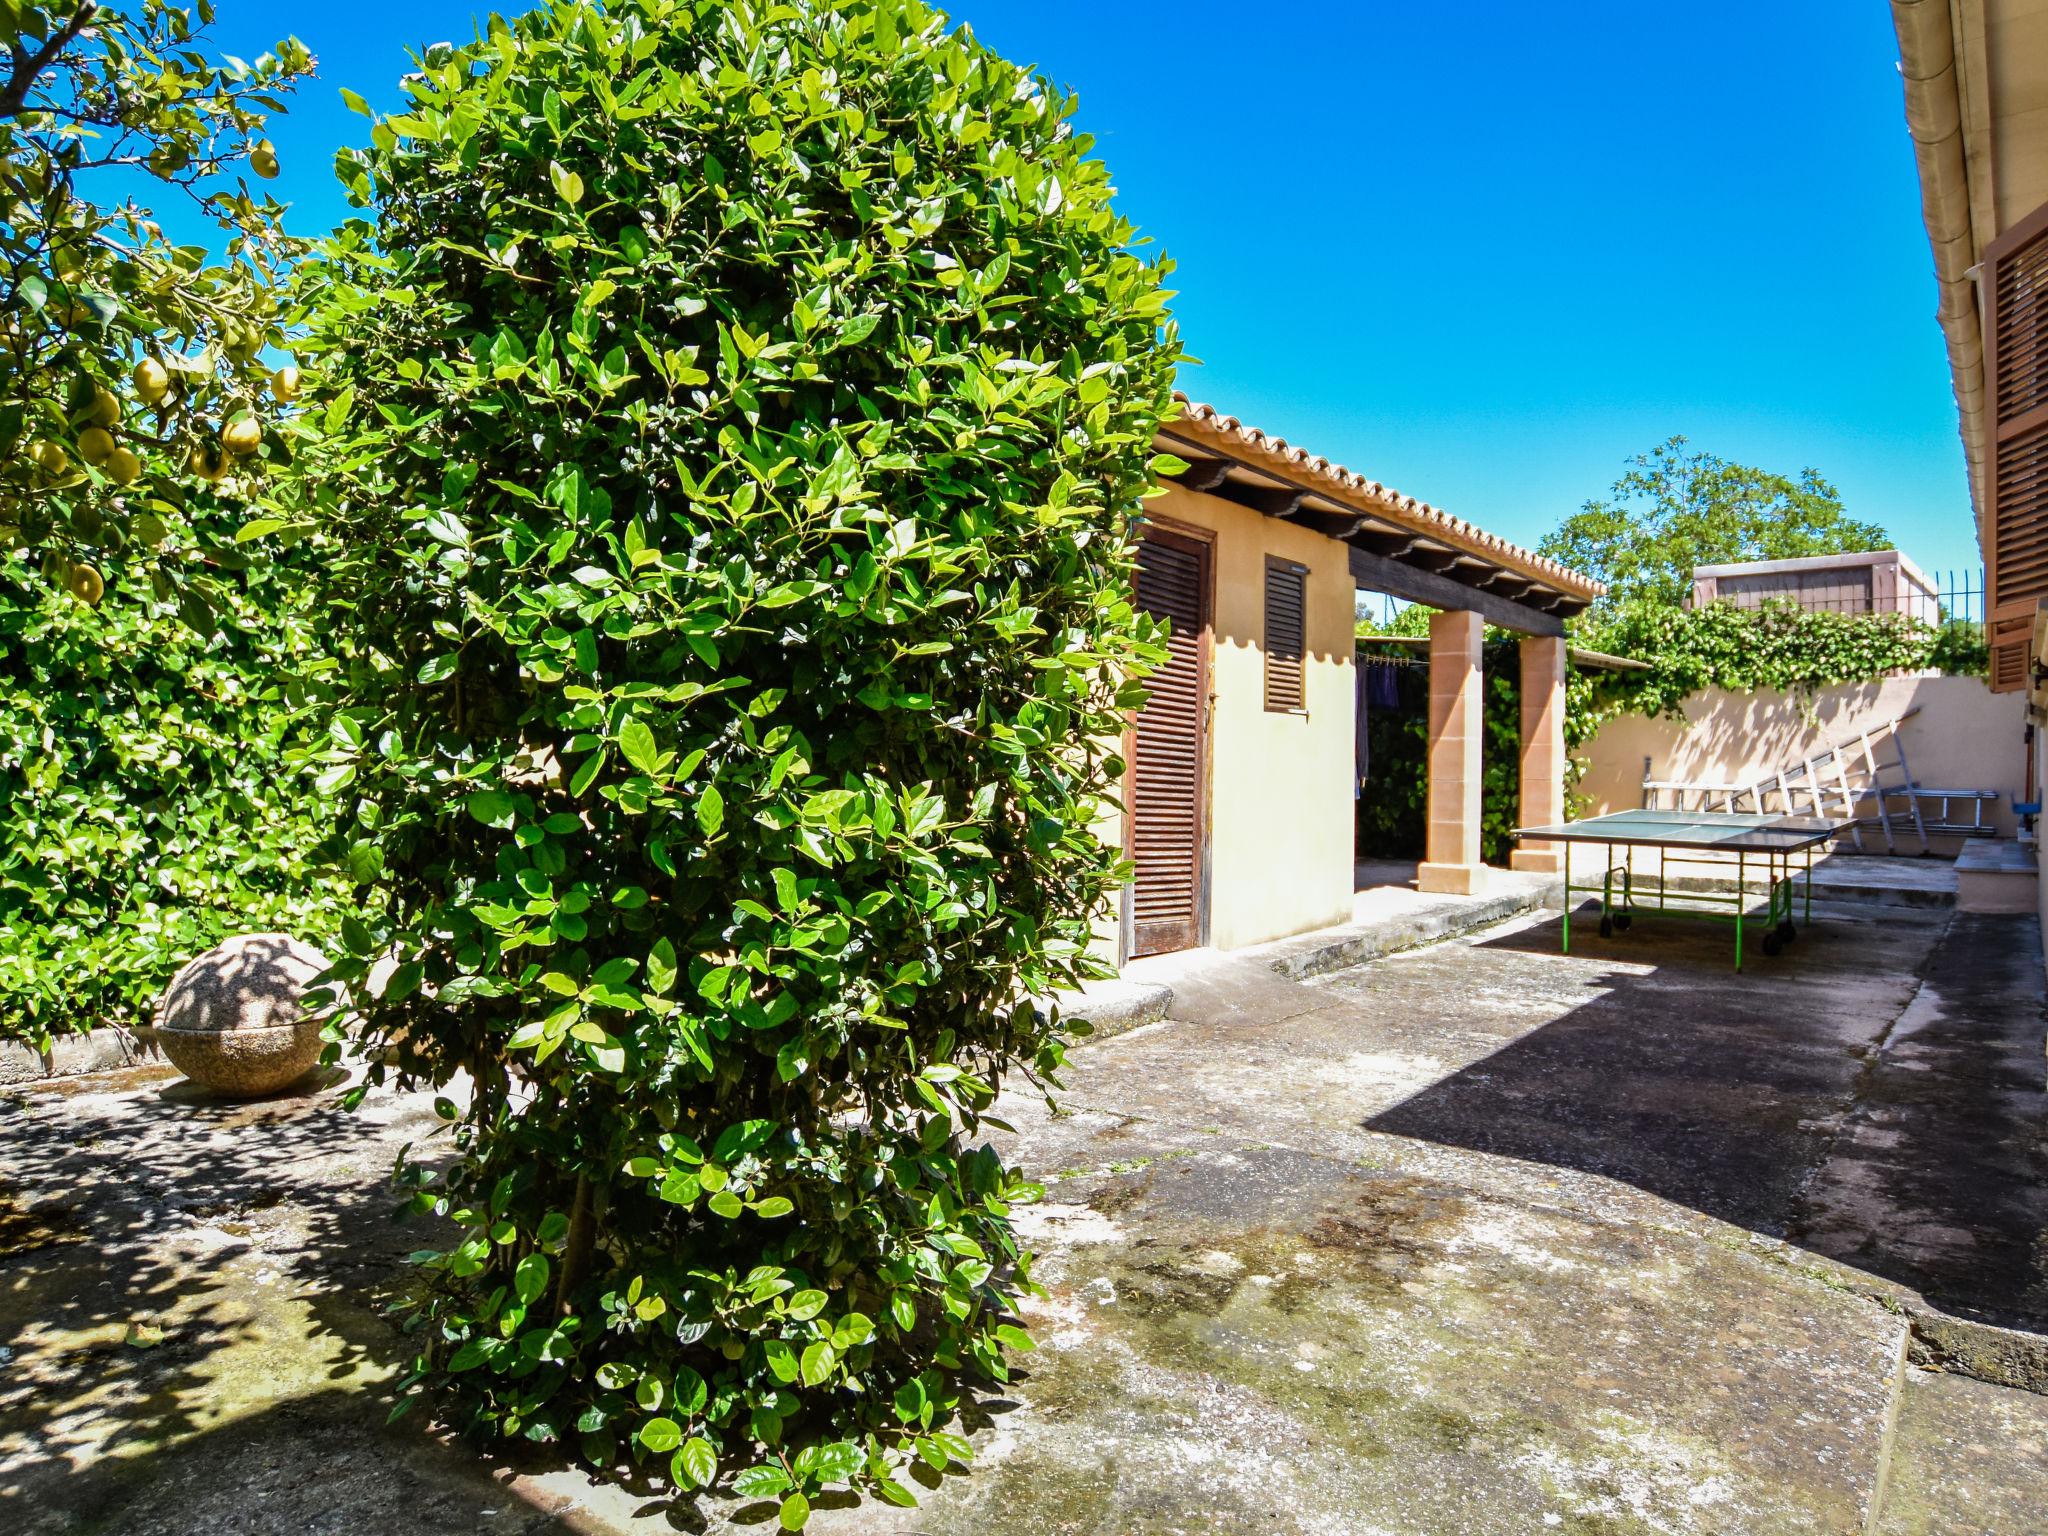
(738, 415)
(133, 376)
(1676, 509)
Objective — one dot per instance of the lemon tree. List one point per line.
(138, 376)
(739, 411)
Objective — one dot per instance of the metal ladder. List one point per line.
(1823, 782)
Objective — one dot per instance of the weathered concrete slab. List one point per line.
(192, 1333)
(1477, 1237)
(1259, 1340)
(1994, 875)
(1645, 1060)
(1113, 1006)
(1908, 880)
(180, 1280)
(1938, 1178)
(1969, 1459)
(1389, 918)
(1669, 1071)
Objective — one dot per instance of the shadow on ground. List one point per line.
(1907, 1141)
(192, 1320)
(1435, 1244)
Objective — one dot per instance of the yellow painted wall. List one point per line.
(1280, 810)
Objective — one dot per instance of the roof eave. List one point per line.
(1935, 93)
(1205, 429)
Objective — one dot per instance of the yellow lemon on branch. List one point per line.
(242, 436)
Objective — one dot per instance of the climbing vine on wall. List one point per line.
(1718, 646)
(1776, 646)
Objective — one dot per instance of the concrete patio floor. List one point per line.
(1471, 1238)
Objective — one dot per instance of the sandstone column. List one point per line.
(1543, 661)
(1456, 701)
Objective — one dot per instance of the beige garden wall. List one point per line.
(1964, 737)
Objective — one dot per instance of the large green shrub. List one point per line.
(147, 804)
(740, 410)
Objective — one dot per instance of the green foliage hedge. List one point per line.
(740, 412)
(148, 804)
(1776, 646)
(1393, 812)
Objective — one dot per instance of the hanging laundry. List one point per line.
(1385, 685)
(1361, 743)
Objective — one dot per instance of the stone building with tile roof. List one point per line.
(1243, 765)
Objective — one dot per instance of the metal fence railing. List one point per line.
(1956, 596)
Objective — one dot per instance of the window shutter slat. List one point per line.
(2016, 374)
(1286, 629)
(2009, 666)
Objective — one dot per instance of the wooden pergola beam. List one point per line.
(1401, 579)
(1205, 476)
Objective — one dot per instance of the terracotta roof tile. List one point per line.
(1341, 483)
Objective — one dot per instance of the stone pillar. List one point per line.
(1543, 659)
(1456, 702)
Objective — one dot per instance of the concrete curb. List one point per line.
(2005, 1357)
(1842, 891)
(106, 1049)
(1333, 949)
(1116, 1007)
(1936, 1339)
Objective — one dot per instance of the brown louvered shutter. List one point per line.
(1168, 752)
(1286, 632)
(2016, 377)
(2009, 666)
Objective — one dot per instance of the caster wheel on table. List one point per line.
(1622, 920)
(1773, 942)
(1606, 927)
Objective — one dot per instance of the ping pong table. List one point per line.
(1766, 851)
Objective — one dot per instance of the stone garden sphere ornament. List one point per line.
(235, 1021)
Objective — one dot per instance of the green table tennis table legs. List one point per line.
(1783, 890)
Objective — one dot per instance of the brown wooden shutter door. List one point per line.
(2016, 377)
(1169, 752)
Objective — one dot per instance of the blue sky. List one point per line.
(1483, 252)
